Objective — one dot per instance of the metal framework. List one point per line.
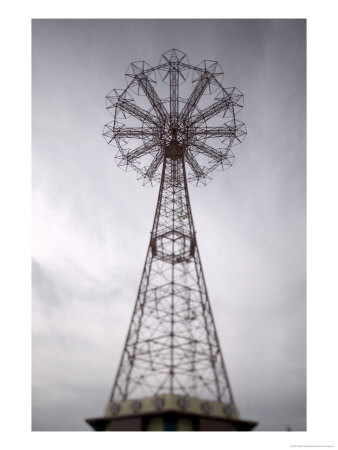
(173, 135)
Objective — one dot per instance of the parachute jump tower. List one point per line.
(173, 124)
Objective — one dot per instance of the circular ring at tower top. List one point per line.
(211, 68)
(137, 71)
(174, 60)
(152, 125)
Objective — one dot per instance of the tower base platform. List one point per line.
(170, 413)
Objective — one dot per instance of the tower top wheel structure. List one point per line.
(157, 108)
(172, 374)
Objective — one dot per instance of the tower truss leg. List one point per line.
(172, 345)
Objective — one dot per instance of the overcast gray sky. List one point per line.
(91, 220)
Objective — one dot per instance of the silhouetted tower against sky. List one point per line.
(174, 123)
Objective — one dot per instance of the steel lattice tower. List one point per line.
(172, 352)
